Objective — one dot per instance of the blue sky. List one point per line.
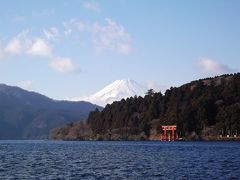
(69, 49)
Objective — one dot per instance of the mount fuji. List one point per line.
(116, 91)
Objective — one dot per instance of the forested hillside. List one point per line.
(30, 115)
(201, 108)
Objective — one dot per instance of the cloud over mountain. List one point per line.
(212, 67)
(63, 65)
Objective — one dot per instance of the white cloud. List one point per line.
(111, 36)
(72, 25)
(124, 48)
(25, 84)
(68, 26)
(24, 44)
(51, 34)
(18, 44)
(63, 65)
(90, 5)
(40, 48)
(2, 53)
(14, 47)
(212, 67)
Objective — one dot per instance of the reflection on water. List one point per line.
(119, 160)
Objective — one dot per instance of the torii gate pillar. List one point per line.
(171, 135)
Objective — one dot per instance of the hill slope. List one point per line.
(28, 115)
(201, 109)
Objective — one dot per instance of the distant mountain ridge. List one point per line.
(30, 115)
(119, 89)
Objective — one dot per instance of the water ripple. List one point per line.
(119, 160)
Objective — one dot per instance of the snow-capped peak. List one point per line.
(116, 91)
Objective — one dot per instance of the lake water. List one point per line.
(119, 160)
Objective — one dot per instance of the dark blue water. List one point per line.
(119, 160)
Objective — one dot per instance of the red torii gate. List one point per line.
(171, 136)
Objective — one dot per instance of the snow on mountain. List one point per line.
(116, 91)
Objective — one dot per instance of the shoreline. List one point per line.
(184, 140)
